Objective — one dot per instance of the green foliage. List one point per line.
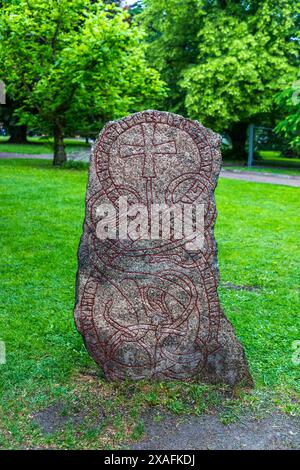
(242, 62)
(224, 60)
(135, 8)
(172, 27)
(71, 64)
(289, 101)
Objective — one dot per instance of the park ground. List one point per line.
(40, 145)
(52, 395)
(76, 148)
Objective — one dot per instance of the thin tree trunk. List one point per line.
(238, 134)
(60, 155)
(18, 134)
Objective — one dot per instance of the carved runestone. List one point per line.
(149, 308)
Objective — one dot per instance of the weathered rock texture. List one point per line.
(150, 308)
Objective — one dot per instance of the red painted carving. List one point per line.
(150, 308)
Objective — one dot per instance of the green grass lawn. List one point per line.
(41, 222)
(276, 171)
(273, 158)
(40, 145)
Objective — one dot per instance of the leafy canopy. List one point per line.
(289, 126)
(224, 60)
(71, 63)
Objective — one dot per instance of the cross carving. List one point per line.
(148, 150)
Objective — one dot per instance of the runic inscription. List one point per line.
(150, 308)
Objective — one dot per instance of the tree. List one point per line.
(289, 103)
(240, 54)
(18, 134)
(70, 62)
(172, 27)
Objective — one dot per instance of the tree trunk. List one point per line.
(18, 134)
(238, 134)
(60, 155)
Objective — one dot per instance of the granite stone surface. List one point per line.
(149, 308)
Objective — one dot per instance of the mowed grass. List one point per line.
(40, 145)
(41, 223)
(263, 169)
(274, 158)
